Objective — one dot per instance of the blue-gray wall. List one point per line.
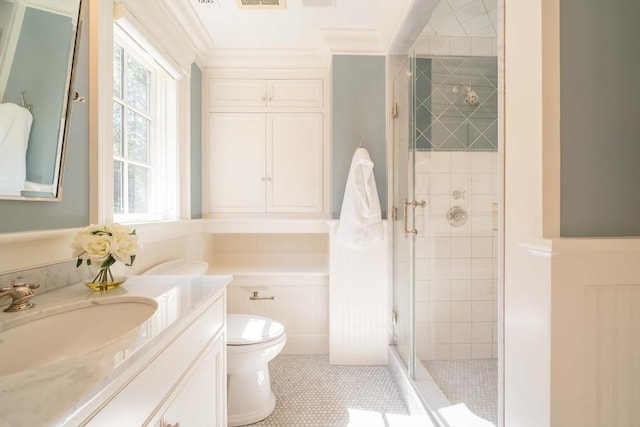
(196, 142)
(600, 118)
(358, 116)
(73, 209)
(40, 68)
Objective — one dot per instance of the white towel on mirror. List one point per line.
(360, 217)
(15, 127)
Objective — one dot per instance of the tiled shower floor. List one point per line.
(310, 392)
(473, 382)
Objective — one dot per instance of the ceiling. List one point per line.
(310, 30)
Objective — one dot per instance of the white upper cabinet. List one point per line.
(267, 146)
(265, 93)
(294, 93)
(265, 162)
(294, 162)
(237, 153)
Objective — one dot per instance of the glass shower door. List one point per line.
(403, 218)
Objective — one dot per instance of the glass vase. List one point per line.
(104, 279)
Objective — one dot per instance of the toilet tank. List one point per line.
(179, 267)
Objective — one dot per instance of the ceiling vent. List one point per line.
(262, 4)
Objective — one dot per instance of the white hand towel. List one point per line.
(360, 217)
(15, 127)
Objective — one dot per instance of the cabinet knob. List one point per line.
(264, 98)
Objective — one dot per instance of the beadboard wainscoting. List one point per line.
(45, 256)
(359, 316)
(291, 268)
(595, 345)
(302, 308)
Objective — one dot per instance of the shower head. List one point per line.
(470, 95)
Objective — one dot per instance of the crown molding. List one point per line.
(266, 58)
(189, 22)
(353, 41)
(156, 23)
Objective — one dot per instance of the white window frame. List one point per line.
(163, 203)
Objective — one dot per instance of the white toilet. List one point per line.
(252, 341)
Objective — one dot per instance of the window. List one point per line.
(144, 135)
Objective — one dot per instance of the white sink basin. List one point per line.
(70, 330)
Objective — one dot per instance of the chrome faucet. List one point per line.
(21, 294)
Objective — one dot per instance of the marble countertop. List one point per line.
(54, 393)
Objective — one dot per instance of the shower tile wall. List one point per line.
(456, 267)
(456, 104)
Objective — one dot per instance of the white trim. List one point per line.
(41, 248)
(151, 21)
(101, 112)
(538, 247)
(266, 58)
(551, 118)
(353, 41)
(193, 28)
(266, 225)
(183, 157)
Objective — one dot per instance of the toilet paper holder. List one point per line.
(254, 297)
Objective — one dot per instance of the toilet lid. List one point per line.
(179, 267)
(245, 329)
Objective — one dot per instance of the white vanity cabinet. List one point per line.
(265, 93)
(184, 385)
(265, 162)
(199, 402)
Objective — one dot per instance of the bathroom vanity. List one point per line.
(167, 370)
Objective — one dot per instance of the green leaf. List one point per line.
(78, 262)
(108, 262)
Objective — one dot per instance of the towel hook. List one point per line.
(29, 107)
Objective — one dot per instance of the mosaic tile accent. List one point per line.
(444, 121)
(473, 382)
(310, 392)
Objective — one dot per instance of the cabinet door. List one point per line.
(200, 401)
(237, 93)
(294, 162)
(294, 93)
(236, 162)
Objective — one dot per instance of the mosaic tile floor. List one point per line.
(473, 382)
(310, 392)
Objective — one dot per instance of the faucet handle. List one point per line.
(20, 293)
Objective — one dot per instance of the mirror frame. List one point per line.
(63, 132)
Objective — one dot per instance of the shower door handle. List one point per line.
(414, 204)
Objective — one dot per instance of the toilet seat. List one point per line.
(248, 329)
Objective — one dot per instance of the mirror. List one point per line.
(38, 40)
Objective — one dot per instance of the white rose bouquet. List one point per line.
(101, 246)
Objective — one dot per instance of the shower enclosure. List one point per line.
(445, 246)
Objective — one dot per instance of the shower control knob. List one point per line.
(458, 194)
(457, 216)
